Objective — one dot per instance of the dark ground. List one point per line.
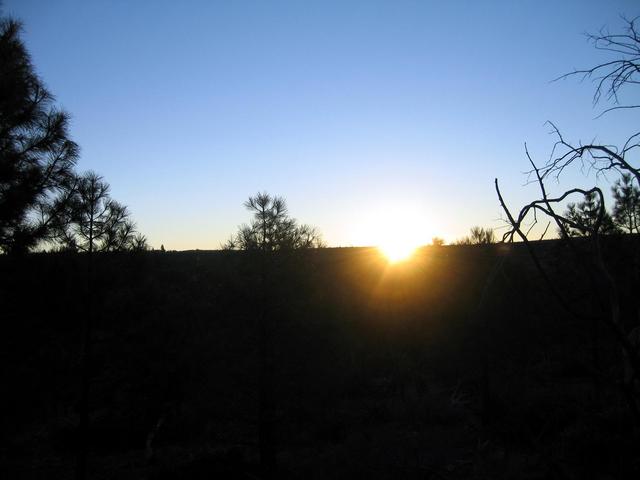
(459, 364)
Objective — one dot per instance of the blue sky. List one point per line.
(365, 116)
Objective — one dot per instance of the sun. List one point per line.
(397, 229)
(397, 251)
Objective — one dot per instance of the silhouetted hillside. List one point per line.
(456, 364)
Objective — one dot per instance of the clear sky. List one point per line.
(366, 116)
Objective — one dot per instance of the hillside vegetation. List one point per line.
(456, 364)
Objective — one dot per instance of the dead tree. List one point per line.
(595, 266)
(610, 78)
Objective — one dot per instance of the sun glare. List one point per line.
(397, 229)
(397, 251)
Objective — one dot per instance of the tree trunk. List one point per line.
(266, 420)
(83, 436)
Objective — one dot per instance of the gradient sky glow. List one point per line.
(356, 112)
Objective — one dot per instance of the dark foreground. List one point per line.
(459, 364)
